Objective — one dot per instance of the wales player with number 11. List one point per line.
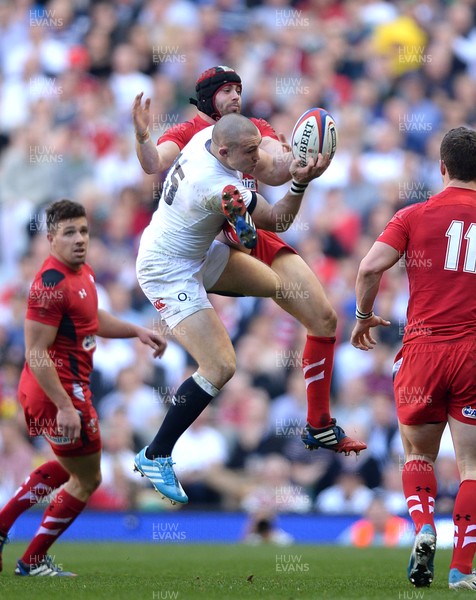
(435, 371)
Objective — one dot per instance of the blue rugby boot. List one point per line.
(44, 568)
(160, 473)
(421, 568)
(461, 581)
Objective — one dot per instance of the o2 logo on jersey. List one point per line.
(89, 343)
(183, 297)
(469, 412)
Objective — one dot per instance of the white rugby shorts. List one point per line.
(177, 287)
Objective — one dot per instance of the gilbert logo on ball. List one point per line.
(314, 132)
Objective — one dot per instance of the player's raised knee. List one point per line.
(227, 368)
(221, 369)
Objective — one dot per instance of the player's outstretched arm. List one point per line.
(39, 337)
(153, 159)
(361, 337)
(281, 216)
(379, 258)
(275, 161)
(145, 148)
(112, 327)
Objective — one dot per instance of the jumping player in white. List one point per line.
(179, 261)
(219, 93)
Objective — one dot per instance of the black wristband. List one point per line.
(363, 316)
(298, 188)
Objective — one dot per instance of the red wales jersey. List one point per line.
(438, 239)
(182, 133)
(66, 299)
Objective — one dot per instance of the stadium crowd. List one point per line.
(394, 75)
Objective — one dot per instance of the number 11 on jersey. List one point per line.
(454, 234)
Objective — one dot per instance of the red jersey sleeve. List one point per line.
(181, 134)
(397, 230)
(47, 300)
(265, 128)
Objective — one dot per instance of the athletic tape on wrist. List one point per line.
(298, 188)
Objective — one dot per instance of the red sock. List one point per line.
(317, 363)
(57, 518)
(419, 488)
(464, 519)
(38, 485)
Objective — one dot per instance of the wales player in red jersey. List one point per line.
(435, 375)
(61, 323)
(219, 93)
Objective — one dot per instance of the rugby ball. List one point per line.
(314, 132)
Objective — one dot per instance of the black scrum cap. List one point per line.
(208, 84)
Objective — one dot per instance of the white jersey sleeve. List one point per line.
(189, 215)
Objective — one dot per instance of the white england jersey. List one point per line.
(189, 215)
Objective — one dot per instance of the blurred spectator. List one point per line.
(126, 79)
(139, 403)
(98, 45)
(263, 490)
(192, 465)
(423, 115)
(50, 51)
(120, 302)
(391, 489)
(9, 376)
(378, 527)
(27, 265)
(110, 357)
(229, 403)
(273, 493)
(14, 347)
(462, 18)
(376, 379)
(119, 168)
(17, 458)
(384, 427)
(350, 367)
(348, 495)
(314, 471)
(253, 438)
(337, 225)
(288, 412)
(401, 40)
(384, 160)
(354, 405)
(93, 125)
(263, 353)
(119, 487)
(30, 152)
